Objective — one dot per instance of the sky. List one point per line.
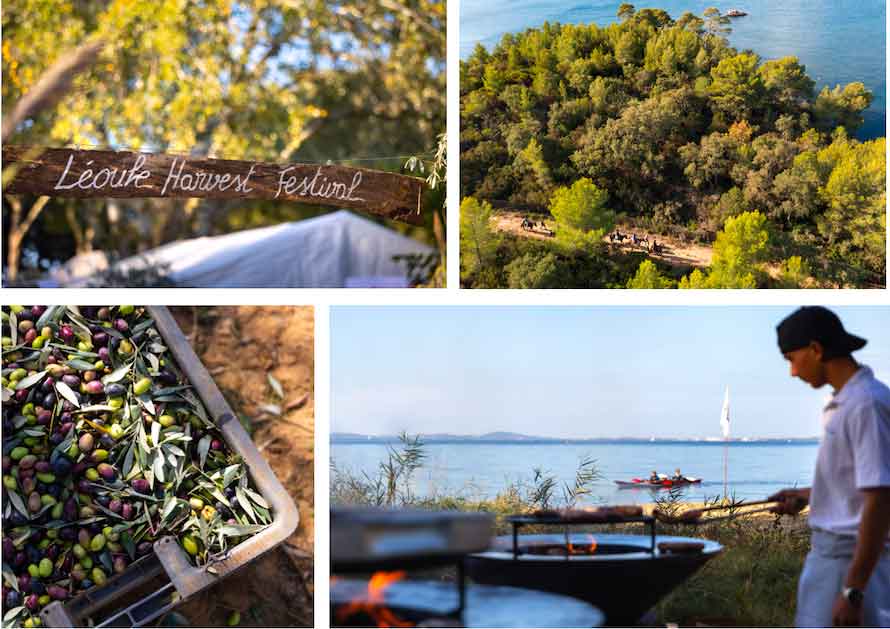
(578, 372)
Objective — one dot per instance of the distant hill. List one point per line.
(502, 437)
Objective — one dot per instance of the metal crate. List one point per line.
(168, 575)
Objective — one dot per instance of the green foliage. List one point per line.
(740, 248)
(478, 242)
(678, 128)
(737, 87)
(534, 271)
(581, 213)
(648, 277)
(794, 273)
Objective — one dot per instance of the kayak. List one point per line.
(663, 484)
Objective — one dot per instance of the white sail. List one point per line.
(724, 415)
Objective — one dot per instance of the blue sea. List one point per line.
(839, 41)
(481, 470)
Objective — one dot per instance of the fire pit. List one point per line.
(624, 575)
(365, 541)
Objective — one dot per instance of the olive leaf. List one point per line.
(80, 365)
(203, 449)
(65, 391)
(13, 328)
(127, 543)
(17, 502)
(244, 502)
(237, 530)
(28, 381)
(7, 394)
(13, 613)
(258, 499)
(276, 386)
(117, 375)
(155, 363)
(10, 578)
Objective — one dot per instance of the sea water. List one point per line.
(481, 470)
(839, 41)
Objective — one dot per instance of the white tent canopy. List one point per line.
(330, 251)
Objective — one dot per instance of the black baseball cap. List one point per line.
(816, 323)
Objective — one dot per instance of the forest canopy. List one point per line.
(680, 133)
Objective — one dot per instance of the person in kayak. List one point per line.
(678, 477)
(846, 576)
(655, 478)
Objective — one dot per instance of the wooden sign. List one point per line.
(121, 174)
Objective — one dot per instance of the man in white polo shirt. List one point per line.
(846, 577)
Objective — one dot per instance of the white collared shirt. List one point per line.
(854, 453)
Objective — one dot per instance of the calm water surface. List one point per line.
(839, 41)
(482, 470)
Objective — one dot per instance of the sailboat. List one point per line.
(724, 425)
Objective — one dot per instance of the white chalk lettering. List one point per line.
(105, 177)
(204, 181)
(312, 187)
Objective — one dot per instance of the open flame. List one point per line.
(373, 605)
(582, 549)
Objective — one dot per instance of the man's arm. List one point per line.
(873, 530)
(791, 501)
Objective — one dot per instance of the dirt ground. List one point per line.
(674, 253)
(240, 345)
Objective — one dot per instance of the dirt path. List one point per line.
(240, 345)
(674, 253)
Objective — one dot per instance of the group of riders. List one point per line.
(636, 241)
(676, 478)
(529, 225)
(615, 236)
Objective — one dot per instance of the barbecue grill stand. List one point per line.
(518, 521)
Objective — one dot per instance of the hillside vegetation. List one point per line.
(658, 122)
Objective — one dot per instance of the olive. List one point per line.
(97, 543)
(120, 564)
(143, 548)
(104, 355)
(85, 443)
(107, 472)
(104, 313)
(190, 545)
(98, 576)
(45, 567)
(99, 455)
(31, 602)
(115, 505)
(94, 387)
(115, 390)
(72, 381)
(86, 584)
(140, 485)
(125, 310)
(27, 462)
(126, 511)
(34, 503)
(66, 333)
(57, 593)
(121, 325)
(100, 339)
(142, 386)
(13, 599)
(30, 336)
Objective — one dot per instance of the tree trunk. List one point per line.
(18, 228)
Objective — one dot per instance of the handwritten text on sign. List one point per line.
(74, 173)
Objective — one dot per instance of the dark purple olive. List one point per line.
(141, 486)
(86, 584)
(44, 418)
(51, 552)
(13, 599)
(20, 558)
(49, 400)
(115, 390)
(121, 325)
(62, 467)
(84, 537)
(47, 385)
(42, 466)
(94, 387)
(126, 511)
(54, 490)
(104, 501)
(216, 444)
(143, 548)
(21, 395)
(37, 311)
(80, 467)
(25, 582)
(104, 355)
(115, 505)
(65, 427)
(84, 486)
(56, 438)
(57, 593)
(66, 333)
(166, 377)
(8, 547)
(100, 339)
(37, 587)
(103, 314)
(31, 602)
(72, 381)
(7, 464)
(30, 335)
(69, 511)
(69, 533)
